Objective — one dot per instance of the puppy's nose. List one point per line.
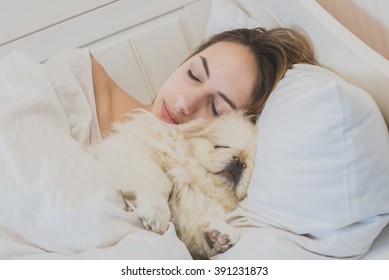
(239, 163)
(234, 169)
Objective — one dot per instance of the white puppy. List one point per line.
(190, 174)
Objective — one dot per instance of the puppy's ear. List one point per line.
(207, 128)
(194, 128)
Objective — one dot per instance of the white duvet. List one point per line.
(52, 202)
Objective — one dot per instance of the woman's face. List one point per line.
(215, 81)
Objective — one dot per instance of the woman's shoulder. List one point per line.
(112, 102)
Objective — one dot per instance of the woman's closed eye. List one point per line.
(212, 102)
(215, 113)
(191, 76)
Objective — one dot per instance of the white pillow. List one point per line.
(322, 166)
(225, 15)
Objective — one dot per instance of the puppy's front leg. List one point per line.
(149, 198)
(154, 211)
(141, 181)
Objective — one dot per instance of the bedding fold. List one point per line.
(71, 75)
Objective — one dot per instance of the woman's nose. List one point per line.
(187, 103)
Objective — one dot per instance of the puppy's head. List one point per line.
(225, 147)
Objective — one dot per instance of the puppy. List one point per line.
(190, 174)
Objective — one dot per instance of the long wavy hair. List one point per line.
(275, 51)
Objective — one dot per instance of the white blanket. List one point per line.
(52, 201)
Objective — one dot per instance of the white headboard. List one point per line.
(139, 42)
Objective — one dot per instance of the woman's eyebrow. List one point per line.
(226, 99)
(222, 95)
(205, 65)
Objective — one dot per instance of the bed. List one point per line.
(54, 205)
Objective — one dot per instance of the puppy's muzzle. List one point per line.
(233, 171)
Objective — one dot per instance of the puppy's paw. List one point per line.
(155, 217)
(220, 242)
(220, 236)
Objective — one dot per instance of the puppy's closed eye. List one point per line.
(221, 147)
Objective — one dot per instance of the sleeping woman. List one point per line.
(236, 69)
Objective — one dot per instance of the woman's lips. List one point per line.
(167, 115)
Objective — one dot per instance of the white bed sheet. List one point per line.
(380, 248)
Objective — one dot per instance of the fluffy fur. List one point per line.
(190, 174)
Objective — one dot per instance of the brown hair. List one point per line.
(275, 51)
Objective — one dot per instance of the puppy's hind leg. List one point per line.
(212, 237)
(218, 236)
